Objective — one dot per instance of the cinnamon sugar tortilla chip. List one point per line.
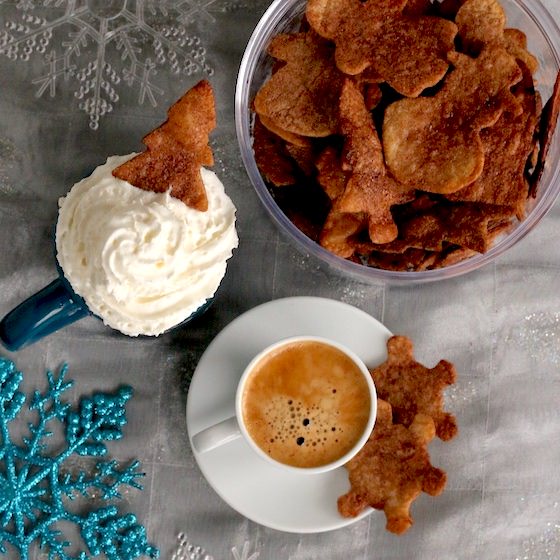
(507, 146)
(431, 230)
(451, 256)
(392, 469)
(369, 188)
(433, 143)
(425, 231)
(412, 388)
(176, 150)
(338, 231)
(548, 123)
(290, 137)
(301, 97)
(482, 22)
(409, 53)
(466, 225)
(418, 7)
(515, 42)
(272, 157)
(331, 175)
(372, 96)
(304, 157)
(406, 261)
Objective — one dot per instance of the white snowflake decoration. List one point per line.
(187, 551)
(96, 46)
(244, 554)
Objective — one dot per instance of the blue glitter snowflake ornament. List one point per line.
(35, 493)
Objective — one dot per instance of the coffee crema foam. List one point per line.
(306, 404)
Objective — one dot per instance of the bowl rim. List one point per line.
(258, 40)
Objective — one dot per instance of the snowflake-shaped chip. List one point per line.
(97, 46)
(187, 551)
(412, 388)
(35, 492)
(392, 469)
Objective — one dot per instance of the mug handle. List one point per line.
(50, 309)
(214, 436)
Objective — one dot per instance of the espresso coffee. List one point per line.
(306, 404)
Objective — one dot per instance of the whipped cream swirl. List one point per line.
(143, 261)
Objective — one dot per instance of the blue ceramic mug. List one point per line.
(50, 309)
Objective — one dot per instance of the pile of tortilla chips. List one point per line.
(403, 134)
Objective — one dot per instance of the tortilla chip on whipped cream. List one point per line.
(177, 149)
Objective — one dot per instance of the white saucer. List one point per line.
(260, 491)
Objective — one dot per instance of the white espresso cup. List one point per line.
(306, 404)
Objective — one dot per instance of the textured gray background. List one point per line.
(499, 325)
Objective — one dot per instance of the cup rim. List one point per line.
(262, 33)
(355, 448)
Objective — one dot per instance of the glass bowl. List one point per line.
(285, 16)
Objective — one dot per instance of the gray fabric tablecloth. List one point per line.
(77, 93)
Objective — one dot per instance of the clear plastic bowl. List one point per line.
(285, 16)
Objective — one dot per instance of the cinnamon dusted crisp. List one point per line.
(451, 256)
(372, 96)
(547, 127)
(482, 22)
(424, 231)
(176, 150)
(286, 135)
(418, 7)
(469, 225)
(427, 146)
(413, 389)
(466, 225)
(304, 157)
(370, 189)
(331, 175)
(515, 42)
(301, 97)
(408, 52)
(339, 230)
(392, 469)
(409, 260)
(272, 157)
(507, 146)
